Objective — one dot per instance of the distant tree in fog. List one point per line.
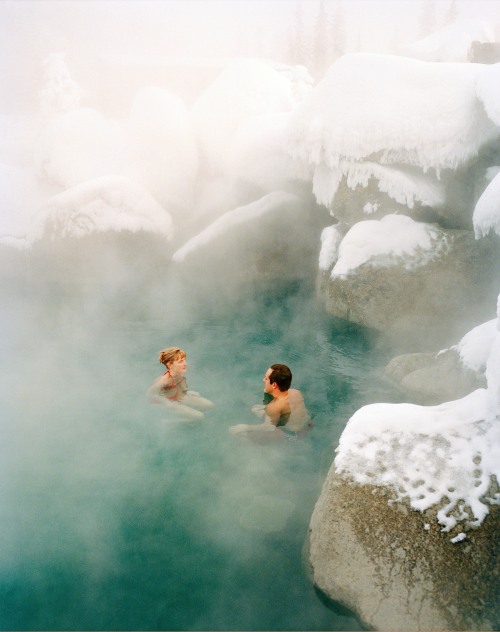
(321, 57)
(298, 50)
(452, 13)
(337, 30)
(427, 22)
(59, 93)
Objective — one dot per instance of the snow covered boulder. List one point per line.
(105, 204)
(408, 279)
(396, 569)
(106, 227)
(248, 97)
(406, 529)
(163, 156)
(272, 238)
(431, 378)
(370, 123)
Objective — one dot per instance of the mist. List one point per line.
(113, 515)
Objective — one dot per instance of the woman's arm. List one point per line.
(154, 391)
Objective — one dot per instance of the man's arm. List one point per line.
(274, 411)
(271, 418)
(265, 426)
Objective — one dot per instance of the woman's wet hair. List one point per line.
(282, 375)
(171, 354)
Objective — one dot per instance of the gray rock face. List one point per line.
(393, 566)
(434, 302)
(430, 378)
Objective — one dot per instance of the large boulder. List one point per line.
(272, 238)
(430, 378)
(424, 304)
(395, 568)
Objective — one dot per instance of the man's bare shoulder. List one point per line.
(295, 395)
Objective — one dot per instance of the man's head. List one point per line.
(280, 375)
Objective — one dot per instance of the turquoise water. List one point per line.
(115, 517)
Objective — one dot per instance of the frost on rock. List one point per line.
(393, 239)
(334, 131)
(404, 185)
(109, 203)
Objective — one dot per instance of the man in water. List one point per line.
(284, 410)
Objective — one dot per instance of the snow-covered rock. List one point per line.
(406, 528)
(409, 280)
(106, 204)
(370, 120)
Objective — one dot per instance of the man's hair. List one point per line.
(282, 375)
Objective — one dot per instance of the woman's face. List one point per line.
(176, 367)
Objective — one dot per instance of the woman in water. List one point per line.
(170, 389)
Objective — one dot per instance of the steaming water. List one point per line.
(114, 516)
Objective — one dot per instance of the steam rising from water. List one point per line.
(115, 516)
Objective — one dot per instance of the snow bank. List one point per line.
(393, 239)
(240, 215)
(442, 456)
(378, 107)
(486, 216)
(110, 203)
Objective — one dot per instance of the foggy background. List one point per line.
(101, 38)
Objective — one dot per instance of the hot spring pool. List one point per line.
(112, 516)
